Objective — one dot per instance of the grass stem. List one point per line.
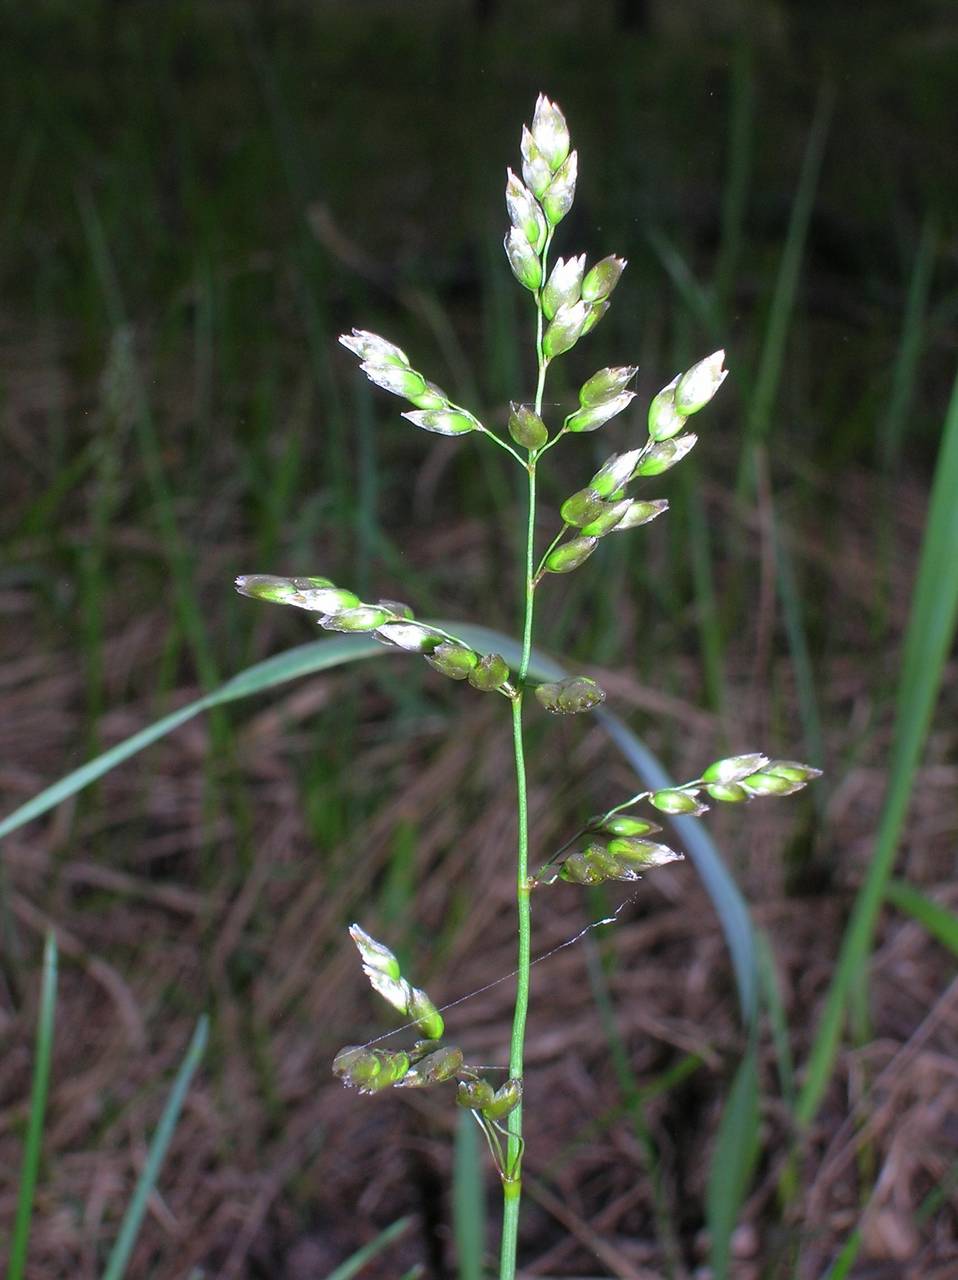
(512, 1182)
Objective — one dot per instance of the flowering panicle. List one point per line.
(387, 366)
(686, 394)
(570, 298)
(390, 621)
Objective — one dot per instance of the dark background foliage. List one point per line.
(197, 198)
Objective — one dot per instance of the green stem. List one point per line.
(511, 1182)
(512, 1178)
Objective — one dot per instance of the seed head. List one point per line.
(432, 397)
(645, 853)
(727, 792)
(615, 471)
(364, 617)
(664, 455)
(609, 518)
(264, 586)
(427, 1017)
(435, 1068)
(734, 768)
(564, 286)
(570, 555)
(376, 956)
(678, 802)
(582, 507)
(523, 259)
(398, 379)
(371, 348)
(665, 421)
(443, 422)
(603, 278)
(565, 330)
(524, 212)
(370, 1070)
(453, 660)
(599, 414)
(489, 674)
(506, 1098)
(550, 132)
(560, 194)
(606, 384)
(474, 1095)
(409, 636)
(535, 167)
(640, 513)
(769, 784)
(593, 865)
(526, 427)
(571, 696)
(623, 824)
(595, 312)
(792, 770)
(698, 385)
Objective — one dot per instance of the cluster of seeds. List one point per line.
(602, 506)
(371, 1069)
(622, 858)
(389, 620)
(570, 697)
(387, 366)
(732, 780)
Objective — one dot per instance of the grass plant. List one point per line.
(255, 330)
(569, 301)
(133, 1217)
(931, 630)
(119, 1257)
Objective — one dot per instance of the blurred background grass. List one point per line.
(197, 199)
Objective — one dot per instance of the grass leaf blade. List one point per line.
(355, 1263)
(843, 1264)
(38, 1103)
(305, 659)
(733, 1160)
(936, 920)
(931, 628)
(133, 1218)
(322, 655)
(468, 1201)
(726, 897)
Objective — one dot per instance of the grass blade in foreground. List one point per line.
(38, 1102)
(843, 1264)
(726, 897)
(132, 1219)
(468, 1201)
(736, 1150)
(323, 655)
(354, 1264)
(305, 659)
(936, 920)
(931, 628)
